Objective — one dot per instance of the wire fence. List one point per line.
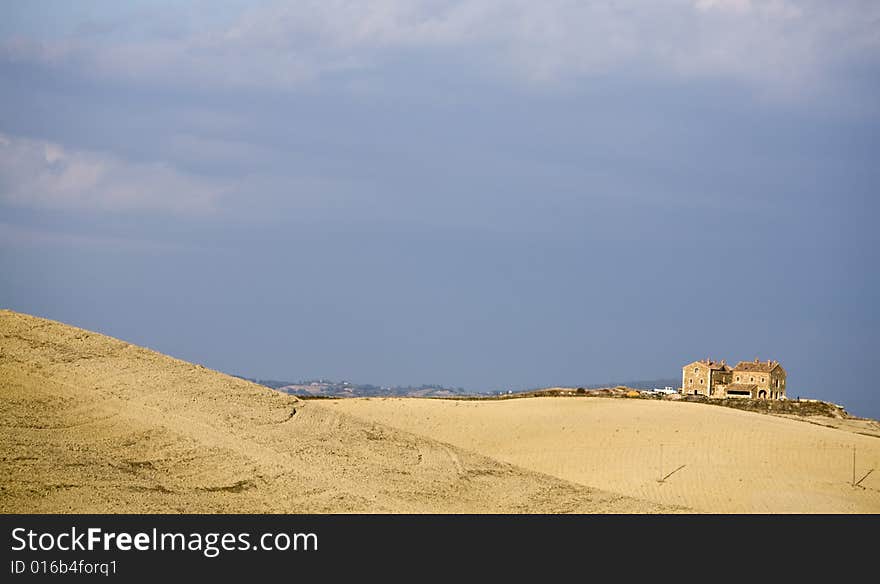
(855, 465)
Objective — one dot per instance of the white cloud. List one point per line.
(36, 173)
(288, 44)
(733, 5)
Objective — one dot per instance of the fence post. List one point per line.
(660, 476)
(854, 466)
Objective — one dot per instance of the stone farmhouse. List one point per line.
(749, 379)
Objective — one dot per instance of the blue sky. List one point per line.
(483, 194)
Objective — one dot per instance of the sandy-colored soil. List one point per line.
(93, 424)
(720, 459)
(864, 426)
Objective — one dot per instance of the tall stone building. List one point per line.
(760, 379)
(750, 379)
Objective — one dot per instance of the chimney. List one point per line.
(756, 360)
(768, 362)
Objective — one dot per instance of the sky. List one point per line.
(487, 194)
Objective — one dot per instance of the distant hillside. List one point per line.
(329, 388)
(643, 384)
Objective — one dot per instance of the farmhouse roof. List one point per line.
(758, 366)
(713, 365)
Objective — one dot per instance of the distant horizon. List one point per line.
(471, 389)
(631, 383)
(325, 379)
(294, 380)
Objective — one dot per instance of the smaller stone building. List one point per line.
(704, 377)
(749, 379)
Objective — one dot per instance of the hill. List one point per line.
(697, 455)
(92, 424)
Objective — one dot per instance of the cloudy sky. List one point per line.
(489, 194)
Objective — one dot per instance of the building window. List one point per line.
(737, 377)
(695, 369)
(701, 382)
(751, 379)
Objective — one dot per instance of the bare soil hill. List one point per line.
(711, 459)
(92, 424)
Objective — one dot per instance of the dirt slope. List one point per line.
(89, 423)
(720, 460)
